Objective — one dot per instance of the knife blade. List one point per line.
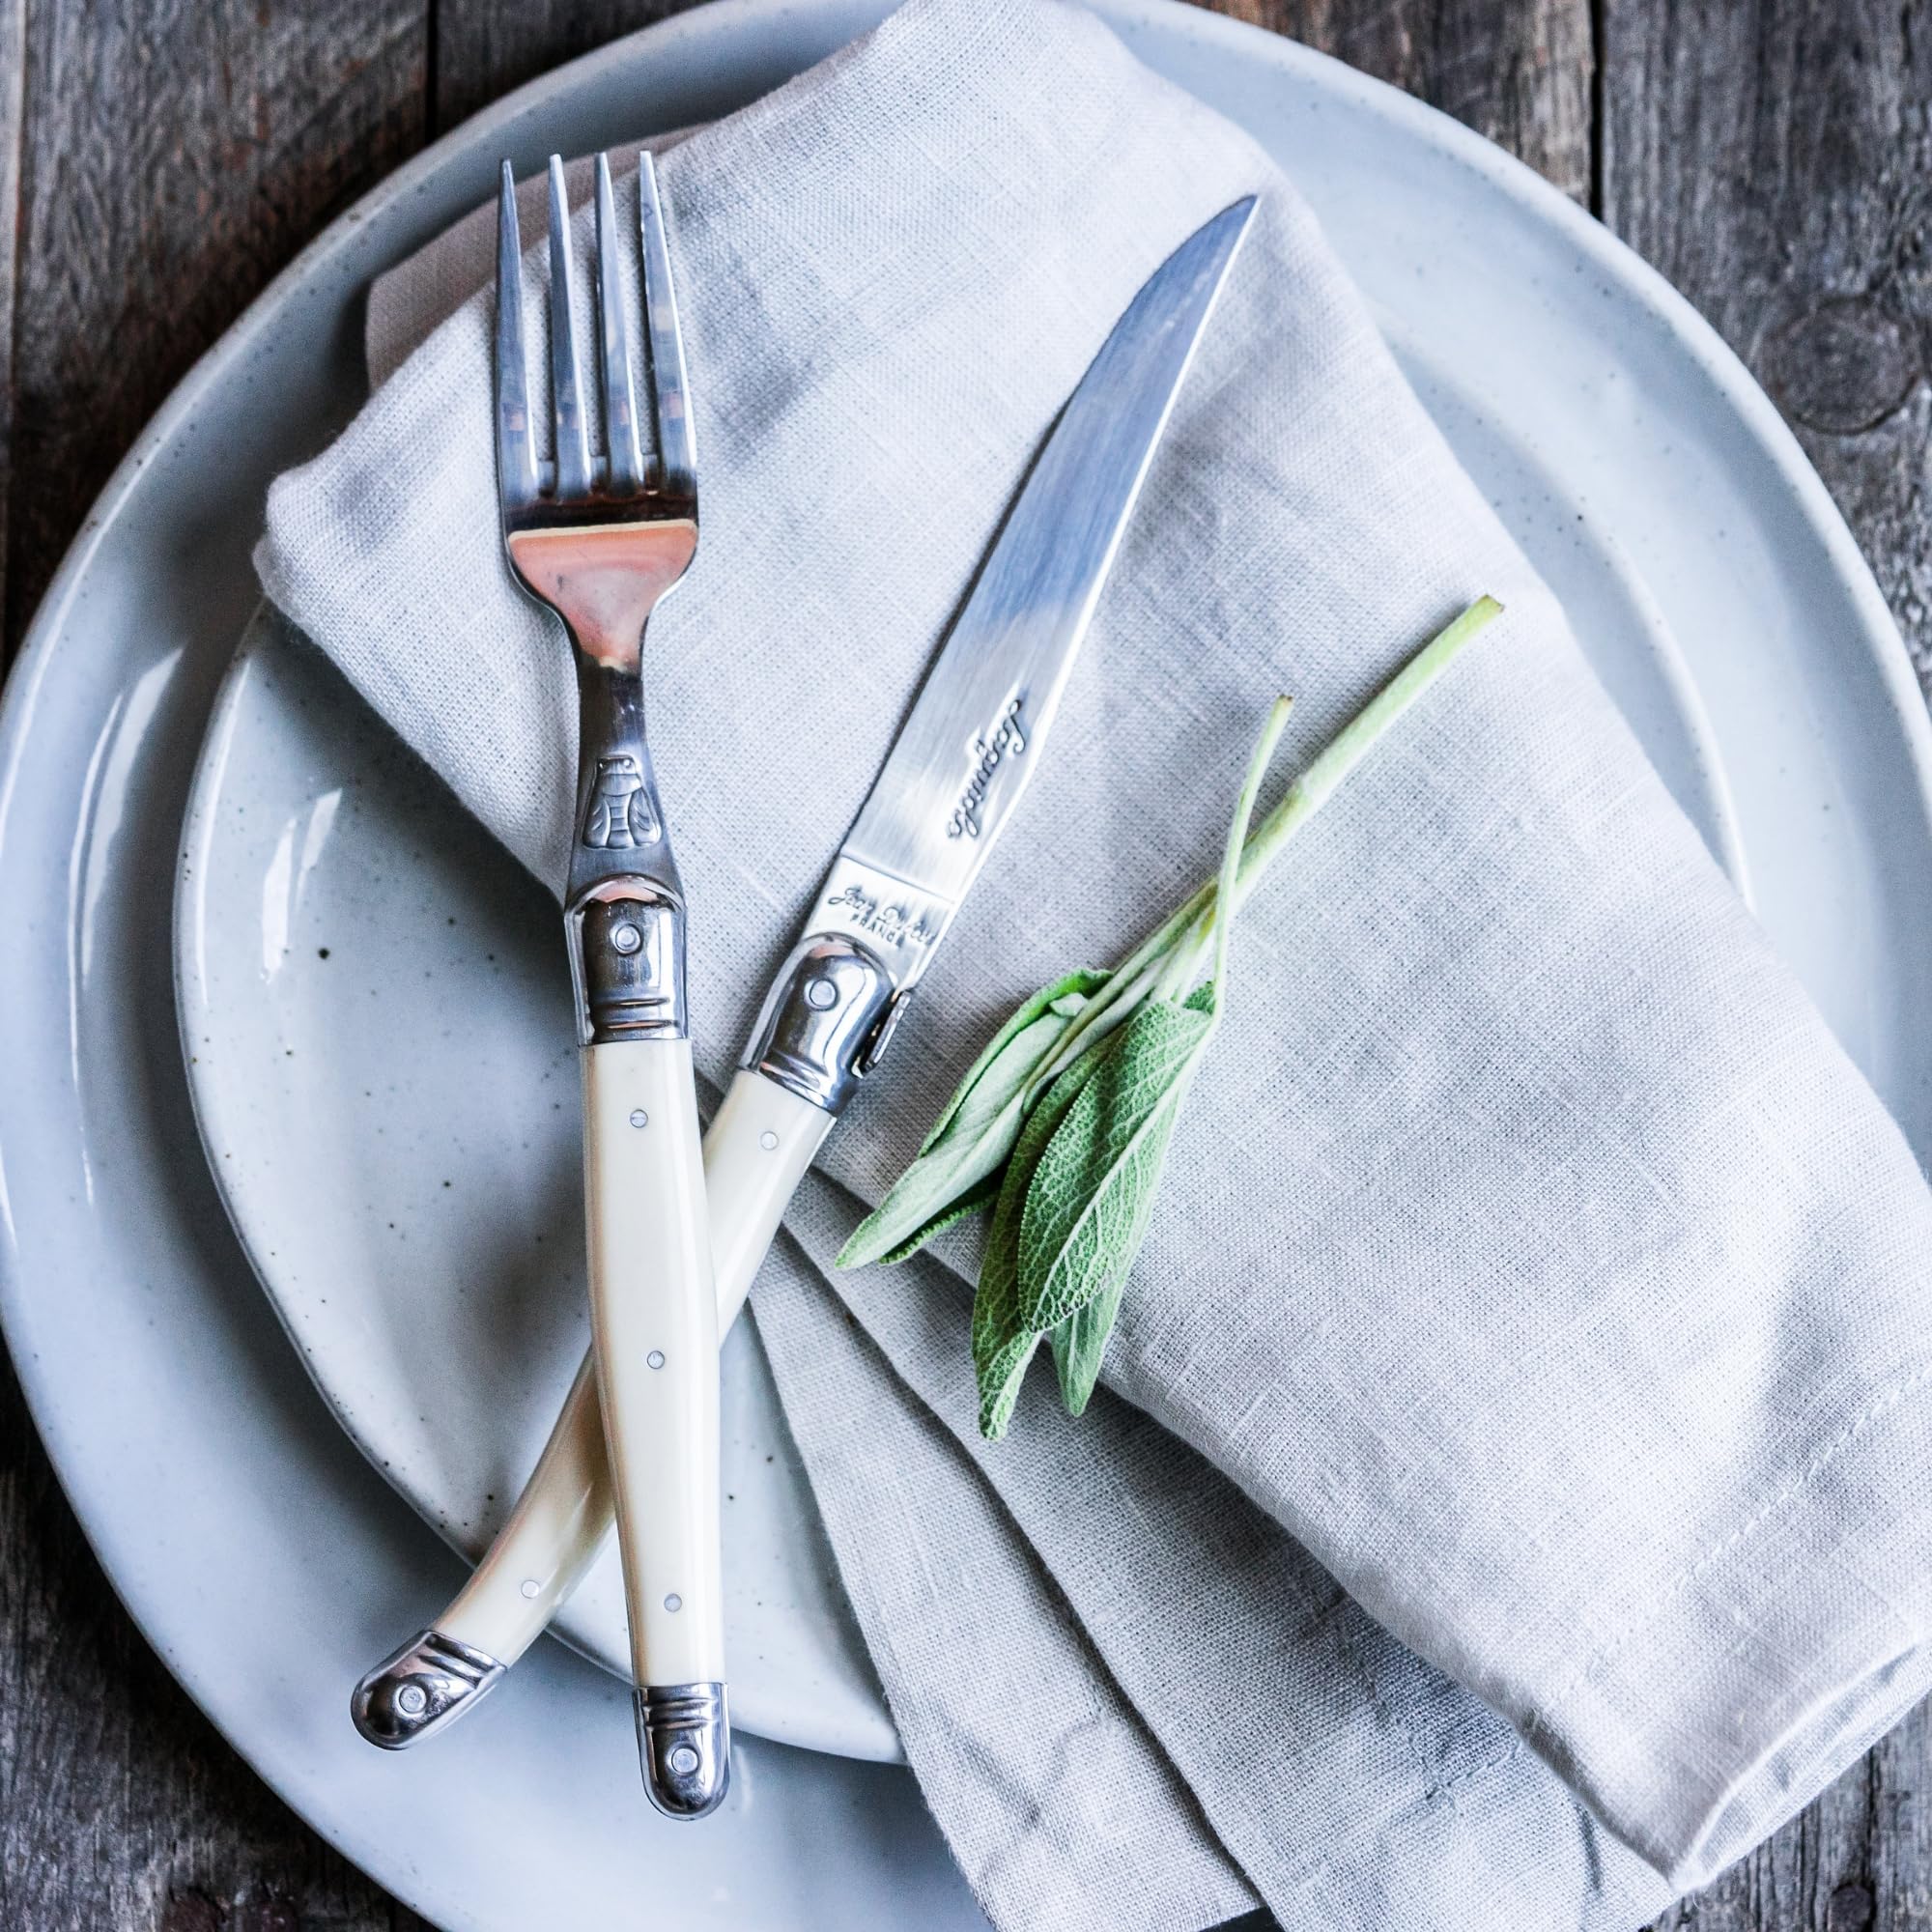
(948, 788)
(958, 767)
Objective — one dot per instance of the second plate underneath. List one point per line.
(380, 1046)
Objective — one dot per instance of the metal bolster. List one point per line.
(684, 1739)
(421, 1689)
(826, 1020)
(627, 962)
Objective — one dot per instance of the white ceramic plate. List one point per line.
(259, 1552)
(350, 948)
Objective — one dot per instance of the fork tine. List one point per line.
(573, 450)
(677, 445)
(516, 460)
(614, 348)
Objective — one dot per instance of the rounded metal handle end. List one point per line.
(684, 1738)
(423, 1687)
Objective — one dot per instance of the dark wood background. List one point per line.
(160, 159)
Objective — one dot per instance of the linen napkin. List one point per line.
(1516, 1508)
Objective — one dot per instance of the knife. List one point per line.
(948, 787)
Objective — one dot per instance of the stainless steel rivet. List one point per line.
(413, 1700)
(673, 1602)
(684, 1760)
(638, 1117)
(820, 994)
(656, 1358)
(625, 938)
(767, 1140)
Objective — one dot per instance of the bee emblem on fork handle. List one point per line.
(619, 813)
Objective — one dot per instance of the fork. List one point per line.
(599, 539)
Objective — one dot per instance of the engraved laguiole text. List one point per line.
(1003, 739)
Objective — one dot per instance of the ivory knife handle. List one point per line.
(761, 1141)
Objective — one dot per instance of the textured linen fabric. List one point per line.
(1532, 1261)
(1059, 1804)
(1354, 1785)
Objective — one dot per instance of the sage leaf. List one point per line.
(1002, 1371)
(981, 1194)
(1062, 1000)
(1091, 1193)
(958, 1164)
(1091, 1196)
(1003, 1342)
(1080, 1342)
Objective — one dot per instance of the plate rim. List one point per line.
(1755, 415)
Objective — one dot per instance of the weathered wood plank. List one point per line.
(13, 73)
(171, 156)
(484, 48)
(175, 155)
(1773, 161)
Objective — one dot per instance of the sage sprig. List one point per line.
(1062, 1126)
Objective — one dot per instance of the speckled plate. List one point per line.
(259, 1552)
(350, 949)
(383, 1057)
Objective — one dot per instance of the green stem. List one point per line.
(1171, 956)
(1181, 966)
(1237, 835)
(1125, 988)
(1314, 788)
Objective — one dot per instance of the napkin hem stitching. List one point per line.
(1875, 1410)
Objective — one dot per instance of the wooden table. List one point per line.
(160, 159)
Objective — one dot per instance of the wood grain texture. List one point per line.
(175, 154)
(12, 73)
(158, 160)
(484, 48)
(1774, 161)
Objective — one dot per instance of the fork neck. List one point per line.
(624, 901)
